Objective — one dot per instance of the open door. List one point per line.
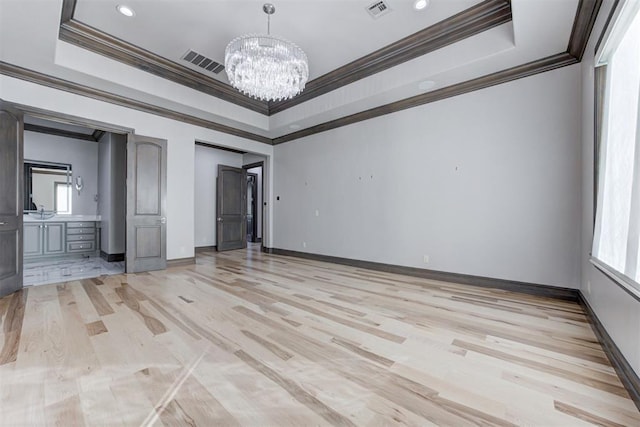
(11, 130)
(146, 204)
(231, 208)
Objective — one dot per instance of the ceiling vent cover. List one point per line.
(378, 9)
(202, 61)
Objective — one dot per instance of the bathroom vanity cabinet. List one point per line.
(44, 238)
(49, 238)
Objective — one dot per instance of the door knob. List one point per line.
(219, 219)
(162, 220)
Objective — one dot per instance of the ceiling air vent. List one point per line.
(378, 8)
(203, 62)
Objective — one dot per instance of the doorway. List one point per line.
(252, 207)
(90, 238)
(255, 201)
(73, 201)
(208, 157)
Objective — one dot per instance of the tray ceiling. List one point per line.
(361, 67)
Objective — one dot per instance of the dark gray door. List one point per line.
(231, 208)
(11, 158)
(146, 204)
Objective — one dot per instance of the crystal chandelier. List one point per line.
(264, 66)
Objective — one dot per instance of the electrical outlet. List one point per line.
(425, 259)
(317, 212)
(589, 287)
(304, 244)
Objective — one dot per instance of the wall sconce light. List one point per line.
(79, 184)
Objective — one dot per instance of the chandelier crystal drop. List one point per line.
(266, 67)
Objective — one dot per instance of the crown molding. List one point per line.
(510, 74)
(476, 19)
(582, 27)
(101, 95)
(583, 24)
(80, 34)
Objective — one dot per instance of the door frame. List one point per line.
(254, 208)
(41, 113)
(260, 164)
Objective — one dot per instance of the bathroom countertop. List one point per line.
(62, 218)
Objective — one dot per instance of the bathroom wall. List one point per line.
(112, 194)
(81, 154)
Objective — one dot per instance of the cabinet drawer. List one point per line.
(81, 231)
(80, 246)
(80, 237)
(82, 224)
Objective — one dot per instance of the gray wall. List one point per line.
(81, 154)
(112, 177)
(485, 183)
(617, 310)
(206, 170)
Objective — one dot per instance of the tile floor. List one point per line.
(46, 271)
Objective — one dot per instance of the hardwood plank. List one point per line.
(584, 415)
(13, 326)
(128, 297)
(616, 410)
(67, 412)
(182, 400)
(297, 392)
(259, 345)
(172, 318)
(97, 299)
(318, 312)
(603, 385)
(362, 352)
(96, 328)
(282, 354)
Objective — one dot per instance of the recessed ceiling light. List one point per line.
(420, 4)
(125, 10)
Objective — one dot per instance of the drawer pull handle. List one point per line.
(3, 223)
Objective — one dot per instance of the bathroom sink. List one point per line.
(42, 214)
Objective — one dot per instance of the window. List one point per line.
(62, 197)
(617, 227)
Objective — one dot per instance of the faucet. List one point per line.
(41, 211)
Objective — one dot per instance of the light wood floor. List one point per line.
(244, 338)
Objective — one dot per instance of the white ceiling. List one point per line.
(332, 32)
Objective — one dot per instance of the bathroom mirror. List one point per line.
(47, 186)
